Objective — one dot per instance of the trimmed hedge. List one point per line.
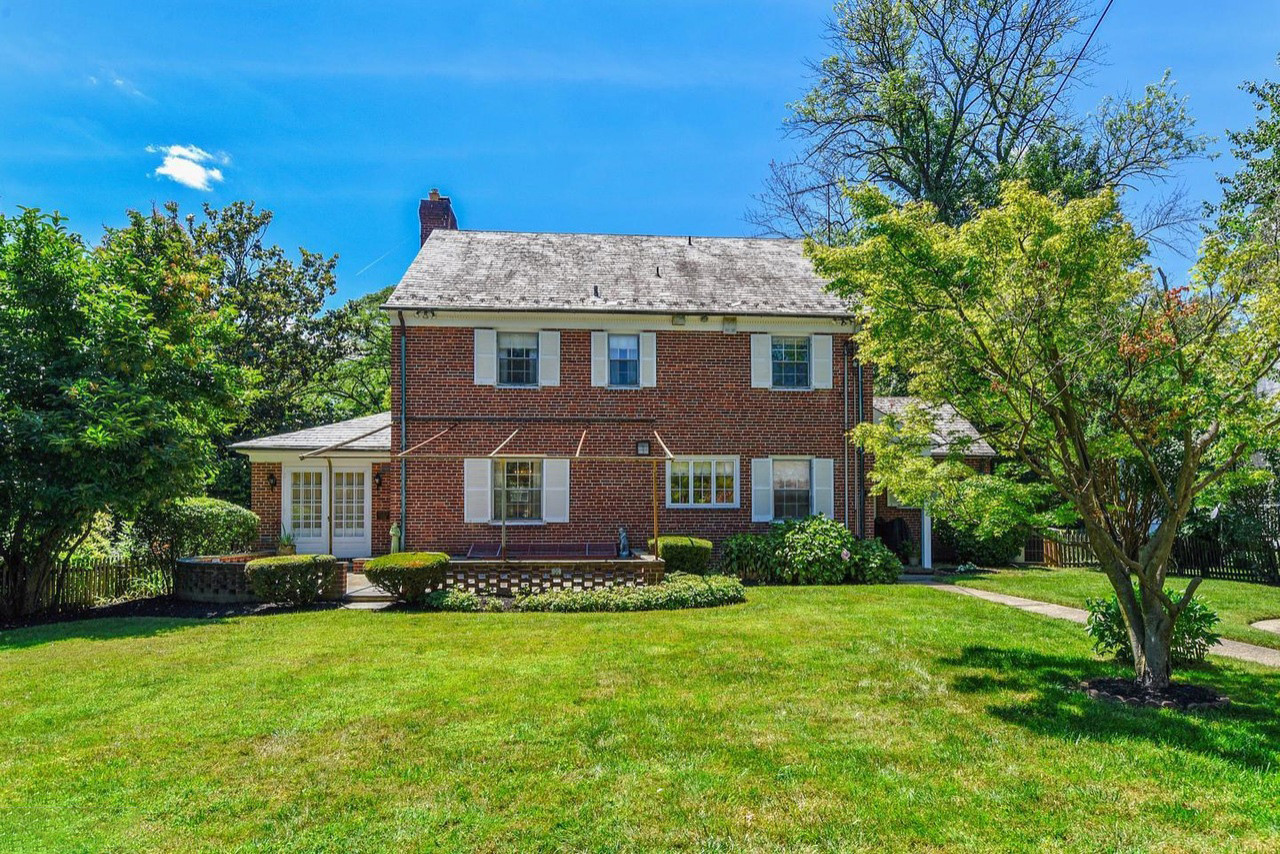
(679, 590)
(816, 550)
(683, 553)
(460, 600)
(409, 576)
(290, 579)
(198, 526)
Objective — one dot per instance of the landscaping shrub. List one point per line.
(198, 526)
(459, 600)
(1193, 633)
(684, 554)
(679, 590)
(983, 551)
(290, 579)
(751, 557)
(409, 576)
(816, 550)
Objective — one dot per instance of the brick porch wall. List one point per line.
(265, 501)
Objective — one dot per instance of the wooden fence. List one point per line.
(1205, 557)
(81, 584)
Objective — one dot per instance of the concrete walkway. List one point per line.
(1268, 626)
(363, 595)
(1228, 648)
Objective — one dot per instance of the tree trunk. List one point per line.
(1152, 653)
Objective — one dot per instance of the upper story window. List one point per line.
(518, 358)
(517, 490)
(709, 482)
(792, 489)
(624, 360)
(791, 356)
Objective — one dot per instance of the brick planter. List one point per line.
(509, 577)
(221, 579)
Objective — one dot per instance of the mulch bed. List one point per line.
(161, 606)
(1178, 695)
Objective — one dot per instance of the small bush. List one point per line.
(409, 576)
(684, 554)
(290, 579)
(817, 550)
(678, 591)
(459, 600)
(751, 557)
(983, 551)
(873, 562)
(198, 526)
(1193, 633)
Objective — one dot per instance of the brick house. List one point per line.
(552, 389)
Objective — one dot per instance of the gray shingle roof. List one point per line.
(518, 271)
(314, 438)
(950, 427)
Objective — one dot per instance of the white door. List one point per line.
(304, 500)
(352, 498)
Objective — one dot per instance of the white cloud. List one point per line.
(186, 164)
(120, 84)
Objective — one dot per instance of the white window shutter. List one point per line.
(762, 489)
(761, 364)
(600, 358)
(548, 358)
(486, 357)
(555, 490)
(477, 496)
(648, 359)
(820, 364)
(824, 487)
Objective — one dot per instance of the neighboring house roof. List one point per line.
(950, 427)
(518, 271)
(326, 435)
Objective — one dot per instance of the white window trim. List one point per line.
(608, 362)
(542, 504)
(497, 359)
(714, 505)
(808, 386)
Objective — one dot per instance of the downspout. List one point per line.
(860, 482)
(844, 434)
(404, 438)
(329, 523)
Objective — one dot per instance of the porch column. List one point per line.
(926, 538)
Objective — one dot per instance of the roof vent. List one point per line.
(595, 290)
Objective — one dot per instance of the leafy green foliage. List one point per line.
(460, 600)
(409, 576)
(1194, 633)
(683, 553)
(197, 526)
(112, 387)
(290, 579)
(993, 550)
(1039, 322)
(816, 550)
(677, 591)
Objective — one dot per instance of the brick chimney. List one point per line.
(434, 212)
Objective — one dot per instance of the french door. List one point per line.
(311, 506)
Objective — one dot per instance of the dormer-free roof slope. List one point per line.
(539, 271)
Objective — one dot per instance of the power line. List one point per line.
(1084, 47)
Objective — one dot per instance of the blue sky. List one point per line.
(650, 117)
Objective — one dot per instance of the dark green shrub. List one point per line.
(872, 562)
(816, 550)
(198, 526)
(751, 557)
(290, 579)
(409, 576)
(1193, 633)
(459, 600)
(678, 591)
(983, 551)
(684, 554)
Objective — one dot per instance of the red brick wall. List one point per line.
(266, 501)
(911, 515)
(703, 404)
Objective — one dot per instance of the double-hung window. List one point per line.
(791, 358)
(517, 490)
(703, 482)
(624, 361)
(518, 358)
(792, 489)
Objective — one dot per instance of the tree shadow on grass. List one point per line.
(1246, 733)
(140, 618)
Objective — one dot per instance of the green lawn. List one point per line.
(834, 719)
(1237, 603)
